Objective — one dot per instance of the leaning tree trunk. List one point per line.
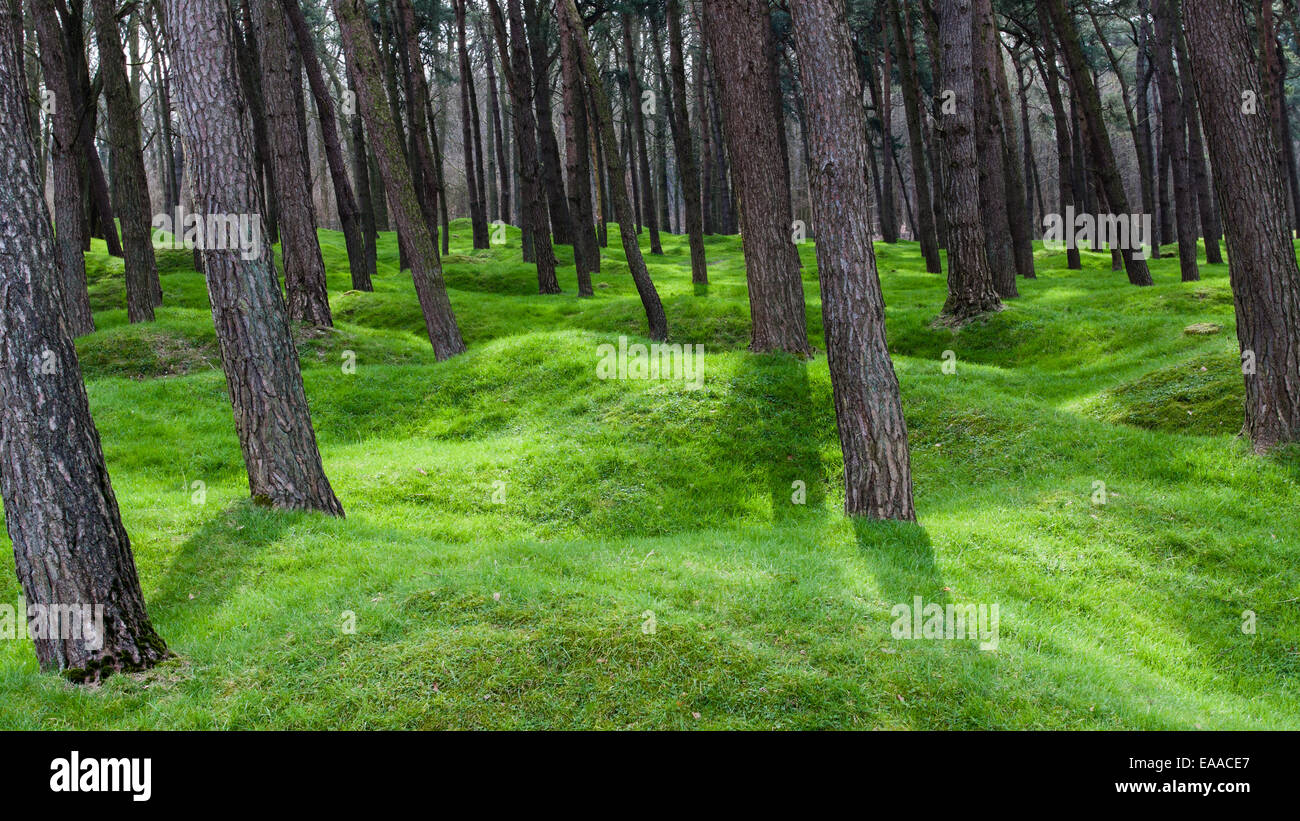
(1090, 103)
(426, 268)
(970, 280)
(257, 350)
(130, 186)
(63, 156)
(868, 409)
(359, 263)
(71, 551)
(1252, 197)
(577, 152)
(571, 29)
(739, 35)
(1173, 136)
(304, 269)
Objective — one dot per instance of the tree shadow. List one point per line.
(901, 558)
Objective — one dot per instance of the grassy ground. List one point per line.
(622, 505)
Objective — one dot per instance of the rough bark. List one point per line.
(572, 29)
(130, 186)
(994, 207)
(70, 548)
(925, 227)
(1173, 122)
(426, 268)
(548, 148)
(257, 350)
(1200, 172)
(577, 154)
(739, 35)
(639, 148)
(970, 279)
(868, 408)
(1261, 258)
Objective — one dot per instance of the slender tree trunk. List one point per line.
(925, 227)
(1146, 151)
(548, 148)
(365, 196)
(131, 187)
(1090, 103)
(349, 215)
(577, 153)
(868, 408)
(1261, 258)
(739, 34)
(571, 28)
(888, 207)
(684, 147)
(639, 148)
(494, 109)
(70, 548)
(970, 280)
(994, 207)
(1061, 126)
(468, 119)
(257, 350)
(304, 269)
(1174, 135)
(67, 188)
(1018, 219)
(426, 268)
(1200, 173)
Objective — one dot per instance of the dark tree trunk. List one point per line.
(63, 156)
(577, 153)
(468, 120)
(684, 147)
(70, 548)
(426, 268)
(639, 148)
(1174, 136)
(970, 280)
(250, 78)
(1142, 135)
(439, 181)
(548, 148)
(925, 227)
(130, 186)
(359, 263)
(1018, 218)
(1210, 228)
(423, 175)
(1261, 257)
(571, 29)
(868, 408)
(304, 270)
(740, 34)
(1090, 103)
(366, 199)
(494, 109)
(1061, 125)
(257, 350)
(989, 141)
(888, 208)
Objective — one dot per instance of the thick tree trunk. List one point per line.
(925, 227)
(970, 280)
(1174, 136)
(257, 350)
(426, 268)
(577, 153)
(71, 551)
(1090, 103)
(130, 186)
(63, 156)
(359, 263)
(739, 34)
(571, 28)
(868, 408)
(304, 269)
(1261, 258)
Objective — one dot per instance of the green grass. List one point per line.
(622, 497)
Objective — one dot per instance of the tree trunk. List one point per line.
(130, 186)
(71, 551)
(1261, 258)
(577, 153)
(989, 141)
(426, 268)
(970, 280)
(739, 34)
(468, 119)
(494, 109)
(1018, 219)
(684, 146)
(304, 270)
(257, 350)
(1174, 136)
(63, 156)
(1210, 228)
(548, 148)
(1090, 103)
(868, 408)
(359, 263)
(639, 149)
(571, 29)
(888, 209)
(925, 227)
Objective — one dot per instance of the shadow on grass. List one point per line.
(901, 558)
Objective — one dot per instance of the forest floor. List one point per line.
(644, 565)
